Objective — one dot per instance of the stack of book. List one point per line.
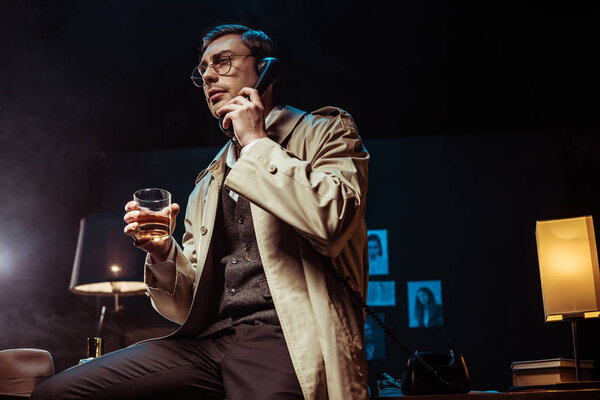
(549, 372)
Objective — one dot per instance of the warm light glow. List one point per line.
(115, 269)
(569, 273)
(594, 314)
(107, 288)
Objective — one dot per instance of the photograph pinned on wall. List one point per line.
(381, 293)
(425, 306)
(374, 339)
(378, 252)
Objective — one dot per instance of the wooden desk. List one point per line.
(584, 394)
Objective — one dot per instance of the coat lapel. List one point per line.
(211, 181)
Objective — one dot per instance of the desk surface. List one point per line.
(584, 394)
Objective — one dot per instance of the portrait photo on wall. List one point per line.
(425, 307)
(381, 293)
(378, 252)
(374, 339)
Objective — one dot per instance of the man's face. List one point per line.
(220, 89)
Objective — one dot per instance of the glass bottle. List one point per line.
(95, 348)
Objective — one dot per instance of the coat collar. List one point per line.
(284, 123)
(217, 165)
(278, 130)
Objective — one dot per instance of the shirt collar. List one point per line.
(231, 157)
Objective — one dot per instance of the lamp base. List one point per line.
(558, 386)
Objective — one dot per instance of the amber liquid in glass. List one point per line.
(153, 227)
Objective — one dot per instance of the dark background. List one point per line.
(480, 118)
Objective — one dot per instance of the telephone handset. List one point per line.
(268, 69)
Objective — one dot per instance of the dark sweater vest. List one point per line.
(244, 292)
(246, 296)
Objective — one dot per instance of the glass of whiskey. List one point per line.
(155, 218)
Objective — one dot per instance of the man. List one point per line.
(282, 204)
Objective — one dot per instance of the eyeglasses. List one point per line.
(221, 65)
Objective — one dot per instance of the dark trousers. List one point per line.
(245, 362)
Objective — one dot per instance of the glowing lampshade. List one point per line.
(569, 273)
(106, 262)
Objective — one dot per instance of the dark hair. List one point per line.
(429, 293)
(420, 307)
(378, 240)
(258, 42)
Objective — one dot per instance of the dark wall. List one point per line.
(505, 94)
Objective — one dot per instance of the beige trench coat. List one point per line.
(307, 186)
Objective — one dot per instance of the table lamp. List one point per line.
(569, 274)
(106, 262)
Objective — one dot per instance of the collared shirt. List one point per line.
(232, 156)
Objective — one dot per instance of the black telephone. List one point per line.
(268, 70)
(425, 373)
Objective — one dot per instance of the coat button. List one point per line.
(241, 220)
(272, 169)
(232, 292)
(203, 230)
(234, 261)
